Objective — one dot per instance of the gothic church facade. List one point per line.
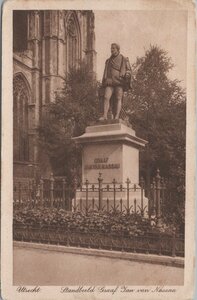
(45, 45)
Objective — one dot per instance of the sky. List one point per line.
(136, 30)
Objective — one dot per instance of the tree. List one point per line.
(75, 106)
(159, 115)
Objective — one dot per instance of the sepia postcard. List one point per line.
(98, 149)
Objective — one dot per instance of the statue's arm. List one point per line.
(128, 67)
(105, 73)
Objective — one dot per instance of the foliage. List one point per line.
(75, 106)
(157, 110)
(100, 222)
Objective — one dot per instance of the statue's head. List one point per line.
(115, 49)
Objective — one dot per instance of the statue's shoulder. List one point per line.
(125, 57)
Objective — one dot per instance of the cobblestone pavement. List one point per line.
(44, 267)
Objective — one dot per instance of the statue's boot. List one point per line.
(102, 119)
(118, 109)
(117, 117)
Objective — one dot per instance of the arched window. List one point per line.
(20, 112)
(73, 42)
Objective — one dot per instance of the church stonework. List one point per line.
(45, 45)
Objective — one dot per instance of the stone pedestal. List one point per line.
(111, 153)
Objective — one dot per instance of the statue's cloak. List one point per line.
(120, 66)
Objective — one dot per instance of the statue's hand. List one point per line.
(108, 81)
(127, 75)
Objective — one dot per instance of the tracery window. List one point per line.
(20, 122)
(73, 40)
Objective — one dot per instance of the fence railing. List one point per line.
(49, 192)
(153, 244)
(109, 197)
(126, 197)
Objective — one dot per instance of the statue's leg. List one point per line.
(118, 95)
(112, 105)
(107, 96)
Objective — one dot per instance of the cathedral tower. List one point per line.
(46, 44)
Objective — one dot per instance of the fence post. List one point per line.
(154, 198)
(174, 244)
(80, 204)
(162, 195)
(107, 205)
(114, 184)
(128, 206)
(41, 191)
(75, 193)
(38, 195)
(51, 190)
(100, 191)
(19, 194)
(150, 200)
(64, 193)
(158, 198)
(34, 193)
(86, 184)
(30, 193)
(142, 199)
(121, 205)
(135, 207)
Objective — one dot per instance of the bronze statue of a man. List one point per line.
(116, 79)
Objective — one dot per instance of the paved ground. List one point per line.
(44, 267)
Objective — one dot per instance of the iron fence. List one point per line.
(125, 197)
(110, 197)
(153, 244)
(49, 192)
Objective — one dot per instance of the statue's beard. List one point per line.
(114, 55)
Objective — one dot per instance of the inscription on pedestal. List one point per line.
(101, 163)
(112, 149)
